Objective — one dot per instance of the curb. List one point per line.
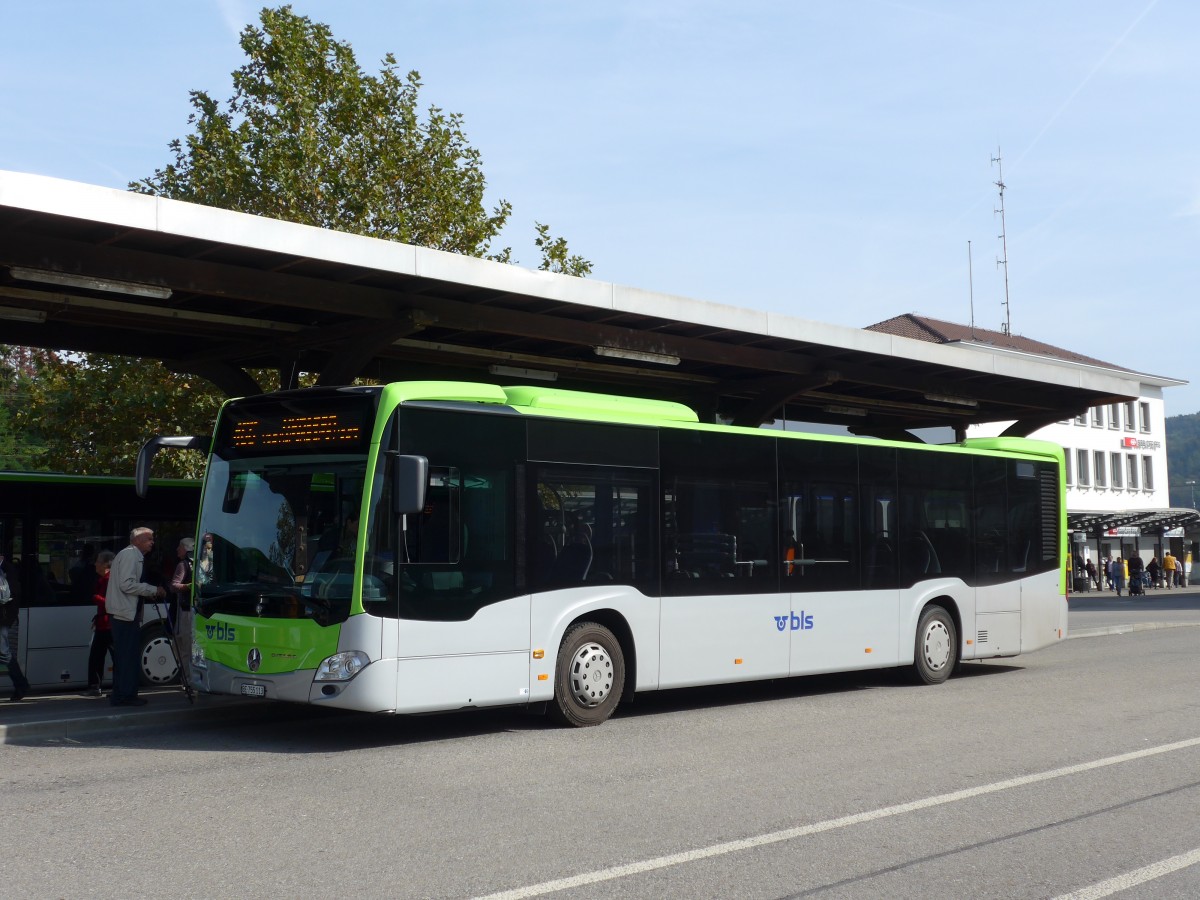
(1101, 630)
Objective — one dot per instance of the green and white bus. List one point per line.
(428, 546)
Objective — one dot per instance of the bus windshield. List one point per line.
(278, 536)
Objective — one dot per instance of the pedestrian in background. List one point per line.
(181, 591)
(1168, 568)
(1136, 573)
(1153, 570)
(123, 600)
(10, 610)
(102, 639)
(1118, 575)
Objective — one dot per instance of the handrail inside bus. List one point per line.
(141, 478)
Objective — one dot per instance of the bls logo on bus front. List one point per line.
(220, 632)
(800, 622)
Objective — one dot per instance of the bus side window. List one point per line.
(436, 535)
(991, 520)
(877, 506)
(720, 514)
(589, 524)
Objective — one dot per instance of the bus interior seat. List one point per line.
(573, 562)
(921, 557)
(880, 565)
(706, 555)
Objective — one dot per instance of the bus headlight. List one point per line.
(342, 666)
(198, 659)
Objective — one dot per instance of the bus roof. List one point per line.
(540, 401)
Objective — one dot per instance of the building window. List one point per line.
(1114, 465)
(1114, 415)
(1101, 469)
(1131, 469)
(1081, 461)
(1144, 409)
(1067, 467)
(1147, 473)
(1081, 419)
(1129, 425)
(1097, 416)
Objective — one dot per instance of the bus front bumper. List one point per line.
(373, 689)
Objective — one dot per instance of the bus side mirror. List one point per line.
(141, 478)
(412, 477)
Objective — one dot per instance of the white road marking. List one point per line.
(1134, 878)
(775, 837)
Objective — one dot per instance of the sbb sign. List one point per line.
(1132, 443)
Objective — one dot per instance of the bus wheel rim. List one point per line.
(937, 646)
(158, 662)
(591, 675)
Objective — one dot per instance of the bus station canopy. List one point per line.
(1145, 521)
(217, 293)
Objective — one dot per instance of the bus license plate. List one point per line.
(254, 690)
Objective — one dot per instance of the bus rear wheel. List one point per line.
(937, 646)
(157, 660)
(589, 676)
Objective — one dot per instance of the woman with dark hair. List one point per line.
(102, 642)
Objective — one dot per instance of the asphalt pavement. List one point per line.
(65, 714)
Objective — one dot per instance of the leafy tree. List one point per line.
(94, 413)
(555, 255)
(20, 448)
(309, 137)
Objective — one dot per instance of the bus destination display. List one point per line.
(268, 431)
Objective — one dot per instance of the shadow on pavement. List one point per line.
(228, 724)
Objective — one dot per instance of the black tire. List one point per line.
(936, 652)
(156, 661)
(588, 677)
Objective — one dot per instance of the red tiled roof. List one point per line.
(923, 328)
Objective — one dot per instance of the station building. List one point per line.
(1116, 454)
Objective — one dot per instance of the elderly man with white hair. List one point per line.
(126, 590)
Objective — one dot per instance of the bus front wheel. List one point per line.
(588, 677)
(937, 646)
(158, 663)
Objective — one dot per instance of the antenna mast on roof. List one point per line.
(1003, 260)
(971, 287)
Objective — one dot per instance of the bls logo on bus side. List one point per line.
(800, 622)
(220, 632)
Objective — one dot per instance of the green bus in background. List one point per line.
(51, 528)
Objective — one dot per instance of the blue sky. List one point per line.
(827, 160)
